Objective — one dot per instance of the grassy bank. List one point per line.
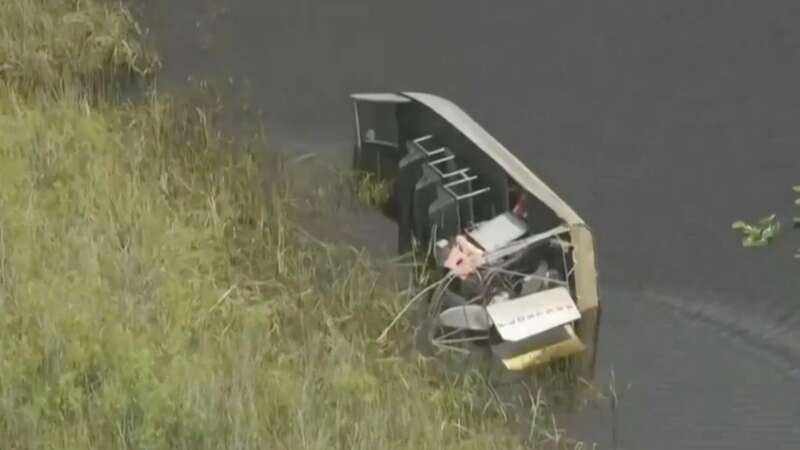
(154, 292)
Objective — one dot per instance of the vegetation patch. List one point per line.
(762, 231)
(758, 233)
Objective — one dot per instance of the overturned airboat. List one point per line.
(516, 263)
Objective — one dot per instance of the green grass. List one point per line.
(155, 293)
(49, 44)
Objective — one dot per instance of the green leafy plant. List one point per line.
(759, 233)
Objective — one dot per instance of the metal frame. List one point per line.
(582, 275)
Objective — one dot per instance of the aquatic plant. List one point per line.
(758, 233)
(762, 231)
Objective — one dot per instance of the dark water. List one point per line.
(660, 122)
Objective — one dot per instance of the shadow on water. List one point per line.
(660, 122)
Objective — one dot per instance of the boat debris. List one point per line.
(464, 258)
(515, 263)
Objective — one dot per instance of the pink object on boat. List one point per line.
(464, 258)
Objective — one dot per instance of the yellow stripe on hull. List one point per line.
(539, 356)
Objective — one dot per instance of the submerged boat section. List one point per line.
(516, 264)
